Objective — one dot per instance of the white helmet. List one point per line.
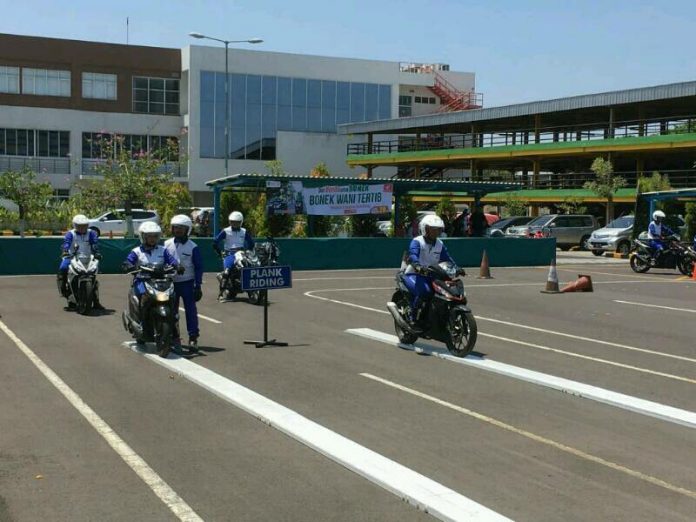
(182, 220)
(236, 216)
(431, 220)
(80, 219)
(658, 214)
(148, 228)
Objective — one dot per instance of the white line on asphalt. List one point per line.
(341, 278)
(656, 306)
(537, 438)
(626, 402)
(651, 278)
(160, 488)
(182, 309)
(420, 491)
(508, 323)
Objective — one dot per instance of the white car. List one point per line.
(115, 221)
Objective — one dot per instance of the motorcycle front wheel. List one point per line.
(639, 265)
(163, 335)
(462, 332)
(686, 266)
(85, 298)
(255, 297)
(405, 310)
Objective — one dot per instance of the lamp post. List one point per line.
(227, 90)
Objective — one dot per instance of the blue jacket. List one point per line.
(92, 239)
(220, 239)
(414, 252)
(664, 231)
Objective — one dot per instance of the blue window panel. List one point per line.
(268, 122)
(328, 106)
(207, 114)
(219, 88)
(343, 95)
(371, 102)
(207, 86)
(284, 91)
(219, 116)
(207, 142)
(268, 91)
(299, 92)
(314, 93)
(253, 131)
(253, 94)
(357, 102)
(237, 142)
(219, 143)
(385, 102)
(342, 116)
(238, 102)
(284, 118)
(314, 119)
(299, 118)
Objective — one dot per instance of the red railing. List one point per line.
(454, 99)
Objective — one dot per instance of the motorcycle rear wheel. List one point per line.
(163, 334)
(638, 265)
(462, 333)
(85, 298)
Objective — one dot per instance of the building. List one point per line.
(58, 98)
(547, 145)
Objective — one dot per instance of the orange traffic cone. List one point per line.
(552, 280)
(485, 272)
(583, 284)
(693, 274)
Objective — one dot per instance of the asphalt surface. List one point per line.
(520, 449)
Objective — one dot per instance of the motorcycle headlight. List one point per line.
(162, 296)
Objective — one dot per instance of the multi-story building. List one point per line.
(59, 97)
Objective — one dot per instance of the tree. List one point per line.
(28, 194)
(515, 205)
(690, 219)
(572, 205)
(605, 185)
(408, 212)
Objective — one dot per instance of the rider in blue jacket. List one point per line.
(657, 232)
(231, 240)
(81, 240)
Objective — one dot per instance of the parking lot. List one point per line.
(575, 406)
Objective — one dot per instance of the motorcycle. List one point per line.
(230, 280)
(154, 317)
(689, 260)
(674, 256)
(445, 317)
(267, 254)
(82, 287)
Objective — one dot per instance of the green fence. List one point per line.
(42, 255)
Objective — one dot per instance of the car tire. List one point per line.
(623, 248)
(598, 252)
(564, 248)
(583, 242)
(96, 230)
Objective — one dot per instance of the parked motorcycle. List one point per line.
(267, 254)
(674, 256)
(230, 280)
(83, 287)
(689, 260)
(154, 317)
(445, 317)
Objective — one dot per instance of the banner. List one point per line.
(291, 197)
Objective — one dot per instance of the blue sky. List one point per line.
(520, 50)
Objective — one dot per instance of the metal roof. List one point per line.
(587, 101)
(669, 194)
(400, 185)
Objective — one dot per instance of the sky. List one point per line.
(522, 50)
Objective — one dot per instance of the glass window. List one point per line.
(328, 106)
(357, 102)
(99, 86)
(562, 222)
(342, 102)
(284, 104)
(404, 111)
(385, 102)
(404, 100)
(418, 99)
(299, 104)
(432, 101)
(268, 91)
(9, 79)
(207, 86)
(371, 102)
(45, 82)
(156, 95)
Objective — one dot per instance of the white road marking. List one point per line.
(420, 491)
(508, 323)
(656, 306)
(159, 487)
(537, 438)
(215, 321)
(651, 278)
(341, 278)
(625, 402)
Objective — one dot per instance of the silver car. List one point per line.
(569, 229)
(615, 237)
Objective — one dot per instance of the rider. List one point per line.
(657, 232)
(235, 238)
(425, 250)
(78, 240)
(149, 252)
(187, 285)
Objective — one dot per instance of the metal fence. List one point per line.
(90, 167)
(39, 165)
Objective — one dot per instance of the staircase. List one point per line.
(409, 172)
(452, 99)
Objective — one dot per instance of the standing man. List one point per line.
(187, 285)
(479, 224)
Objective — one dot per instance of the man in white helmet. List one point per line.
(81, 240)
(187, 285)
(232, 239)
(425, 250)
(149, 252)
(657, 232)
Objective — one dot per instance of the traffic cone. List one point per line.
(583, 284)
(552, 280)
(485, 272)
(693, 274)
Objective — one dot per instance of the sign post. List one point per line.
(264, 278)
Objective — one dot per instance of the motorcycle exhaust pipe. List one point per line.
(391, 306)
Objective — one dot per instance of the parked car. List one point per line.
(115, 221)
(568, 229)
(615, 237)
(499, 228)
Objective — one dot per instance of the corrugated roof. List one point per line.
(643, 94)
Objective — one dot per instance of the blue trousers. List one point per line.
(419, 287)
(657, 245)
(184, 290)
(64, 264)
(228, 261)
